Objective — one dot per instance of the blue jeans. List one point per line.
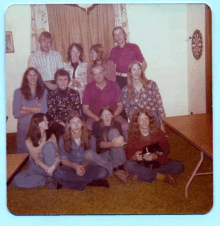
(172, 167)
(35, 176)
(109, 159)
(67, 176)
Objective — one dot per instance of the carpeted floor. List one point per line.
(128, 198)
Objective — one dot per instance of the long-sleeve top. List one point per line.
(98, 132)
(148, 98)
(76, 154)
(35, 152)
(80, 76)
(46, 64)
(61, 103)
(137, 142)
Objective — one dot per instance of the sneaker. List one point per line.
(99, 183)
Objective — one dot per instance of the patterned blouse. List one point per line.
(148, 98)
(61, 103)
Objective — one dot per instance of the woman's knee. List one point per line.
(113, 133)
(103, 173)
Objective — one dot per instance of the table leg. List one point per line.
(193, 174)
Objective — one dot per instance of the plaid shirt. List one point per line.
(46, 64)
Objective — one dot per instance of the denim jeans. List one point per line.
(172, 167)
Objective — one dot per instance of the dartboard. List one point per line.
(197, 44)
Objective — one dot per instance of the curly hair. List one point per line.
(79, 47)
(25, 88)
(67, 137)
(130, 85)
(134, 125)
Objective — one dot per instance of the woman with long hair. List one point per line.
(29, 99)
(142, 93)
(76, 172)
(44, 158)
(147, 151)
(110, 141)
(99, 55)
(76, 67)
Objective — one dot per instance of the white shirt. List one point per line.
(46, 64)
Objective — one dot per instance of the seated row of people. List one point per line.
(86, 161)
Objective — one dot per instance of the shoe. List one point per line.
(59, 186)
(99, 183)
(50, 183)
(121, 175)
(170, 180)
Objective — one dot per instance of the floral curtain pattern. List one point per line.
(39, 23)
(121, 19)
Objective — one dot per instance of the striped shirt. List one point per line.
(46, 64)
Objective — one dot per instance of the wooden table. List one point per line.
(14, 161)
(197, 130)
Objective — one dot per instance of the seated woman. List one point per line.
(110, 141)
(99, 56)
(44, 158)
(76, 68)
(75, 172)
(142, 93)
(144, 132)
(61, 102)
(29, 99)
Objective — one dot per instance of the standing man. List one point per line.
(99, 93)
(123, 54)
(45, 60)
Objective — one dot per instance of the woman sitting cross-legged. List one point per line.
(76, 172)
(148, 150)
(44, 158)
(110, 141)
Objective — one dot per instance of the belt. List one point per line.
(121, 74)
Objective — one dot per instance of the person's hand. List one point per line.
(51, 86)
(75, 83)
(50, 170)
(119, 141)
(150, 156)
(80, 170)
(139, 156)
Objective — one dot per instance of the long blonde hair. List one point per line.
(130, 85)
(67, 137)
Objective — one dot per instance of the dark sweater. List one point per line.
(136, 143)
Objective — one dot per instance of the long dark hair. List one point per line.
(67, 137)
(134, 125)
(79, 47)
(25, 88)
(101, 122)
(34, 131)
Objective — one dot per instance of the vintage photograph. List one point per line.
(109, 109)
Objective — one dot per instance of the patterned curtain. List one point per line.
(120, 14)
(39, 23)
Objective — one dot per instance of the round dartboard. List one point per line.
(197, 45)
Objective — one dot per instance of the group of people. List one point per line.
(82, 122)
